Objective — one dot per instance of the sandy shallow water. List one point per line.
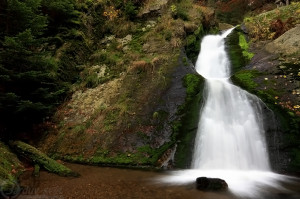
(114, 183)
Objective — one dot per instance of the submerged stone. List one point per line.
(211, 184)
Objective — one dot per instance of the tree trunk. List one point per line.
(37, 157)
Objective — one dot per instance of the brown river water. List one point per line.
(114, 183)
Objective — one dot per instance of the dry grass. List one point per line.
(139, 66)
(260, 27)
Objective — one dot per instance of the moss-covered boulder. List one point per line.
(37, 157)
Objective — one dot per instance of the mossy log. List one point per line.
(38, 157)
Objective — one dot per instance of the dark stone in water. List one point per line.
(211, 184)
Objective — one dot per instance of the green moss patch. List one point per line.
(238, 49)
(245, 47)
(192, 82)
(144, 156)
(244, 78)
(186, 128)
(193, 43)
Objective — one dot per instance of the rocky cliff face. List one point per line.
(135, 94)
(127, 114)
(273, 75)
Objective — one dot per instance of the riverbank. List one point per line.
(112, 183)
(115, 183)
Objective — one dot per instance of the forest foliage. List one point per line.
(44, 45)
(32, 80)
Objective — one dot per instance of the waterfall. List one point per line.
(230, 141)
(230, 132)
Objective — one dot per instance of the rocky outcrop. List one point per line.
(211, 184)
(225, 26)
(209, 16)
(153, 8)
(286, 44)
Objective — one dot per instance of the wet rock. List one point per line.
(190, 27)
(167, 159)
(154, 8)
(244, 29)
(146, 47)
(108, 39)
(211, 184)
(124, 41)
(286, 44)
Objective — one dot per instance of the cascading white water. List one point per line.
(230, 133)
(230, 141)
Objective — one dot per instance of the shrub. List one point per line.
(139, 66)
(92, 81)
(130, 10)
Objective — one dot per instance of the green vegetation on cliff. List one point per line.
(238, 49)
(118, 113)
(274, 77)
(245, 47)
(186, 128)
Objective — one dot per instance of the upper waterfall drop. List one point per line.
(230, 132)
(213, 62)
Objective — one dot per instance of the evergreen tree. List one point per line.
(62, 15)
(30, 83)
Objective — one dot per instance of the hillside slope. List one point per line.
(126, 111)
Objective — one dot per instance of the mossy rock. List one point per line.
(238, 49)
(186, 128)
(38, 157)
(193, 43)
